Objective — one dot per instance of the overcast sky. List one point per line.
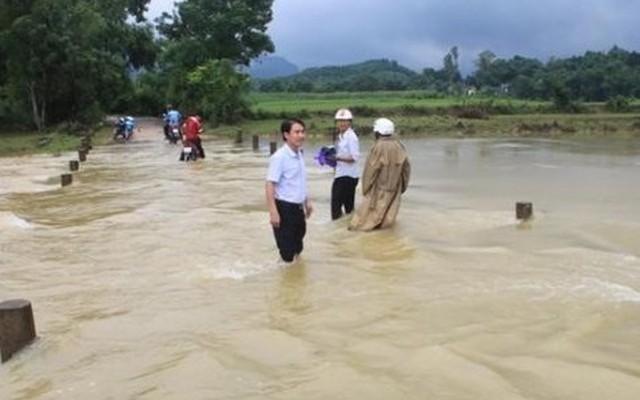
(419, 33)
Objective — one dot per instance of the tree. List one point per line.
(203, 38)
(219, 29)
(430, 79)
(451, 71)
(218, 90)
(68, 59)
(484, 69)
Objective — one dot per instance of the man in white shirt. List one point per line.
(286, 191)
(346, 177)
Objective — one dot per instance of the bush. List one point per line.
(618, 104)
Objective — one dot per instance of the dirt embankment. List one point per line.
(148, 127)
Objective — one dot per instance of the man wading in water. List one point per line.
(286, 191)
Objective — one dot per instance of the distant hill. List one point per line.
(379, 67)
(369, 75)
(267, 67)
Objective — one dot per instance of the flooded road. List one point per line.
(155, 279)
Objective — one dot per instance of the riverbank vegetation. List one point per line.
(417, 114)
(414, 115)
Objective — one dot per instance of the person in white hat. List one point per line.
(384, 179)
(343, 189)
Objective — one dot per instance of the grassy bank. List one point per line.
(621, 126)
(416, 114)
(411, 102)
(23, 143)
(56, 141)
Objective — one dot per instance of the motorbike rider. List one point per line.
(129, 126)
(172, 117)
(119, 128)
(191, 130)
(124, 127)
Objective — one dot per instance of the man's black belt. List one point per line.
(287, 204)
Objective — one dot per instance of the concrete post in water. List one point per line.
(524, 210)
(17, 328)
(239, 138)
(256, 142)
(85, 143)
(82, 155)
(66, 179)
(272, 147)
(74, 165)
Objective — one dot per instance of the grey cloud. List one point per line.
(418, 34)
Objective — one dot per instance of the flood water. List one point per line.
(155, 279)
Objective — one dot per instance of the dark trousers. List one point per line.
(198, 144)
(343, 193)
(290, 233)
(166, 131)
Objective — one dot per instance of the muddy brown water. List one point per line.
(155, 279)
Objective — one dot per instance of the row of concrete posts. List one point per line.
(74, 165)
(17, 325)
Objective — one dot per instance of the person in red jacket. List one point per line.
(192, 128)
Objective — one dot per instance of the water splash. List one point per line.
(8, 219)
(241, 270)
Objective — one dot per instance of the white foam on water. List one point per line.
(587, 287)
(480, 250)
(597, 266)
(241, 270)
(608, 290)
(547, 166)
(36, 184)
(511, 145)
(468, 221)
(8, 219)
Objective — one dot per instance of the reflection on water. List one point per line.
(155, 279)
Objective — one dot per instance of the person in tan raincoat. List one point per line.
(384, 179)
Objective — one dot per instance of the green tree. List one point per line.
(218, 29)
(484, 68)
(69, 59)
(218, 91)
(594, 76)
(199, 36)
(451, 71)
(430, 79)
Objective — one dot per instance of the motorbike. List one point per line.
(123, 130)
(192, 148)
(173, 133)
(189, 151)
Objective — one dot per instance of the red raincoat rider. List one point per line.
(192, 128)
